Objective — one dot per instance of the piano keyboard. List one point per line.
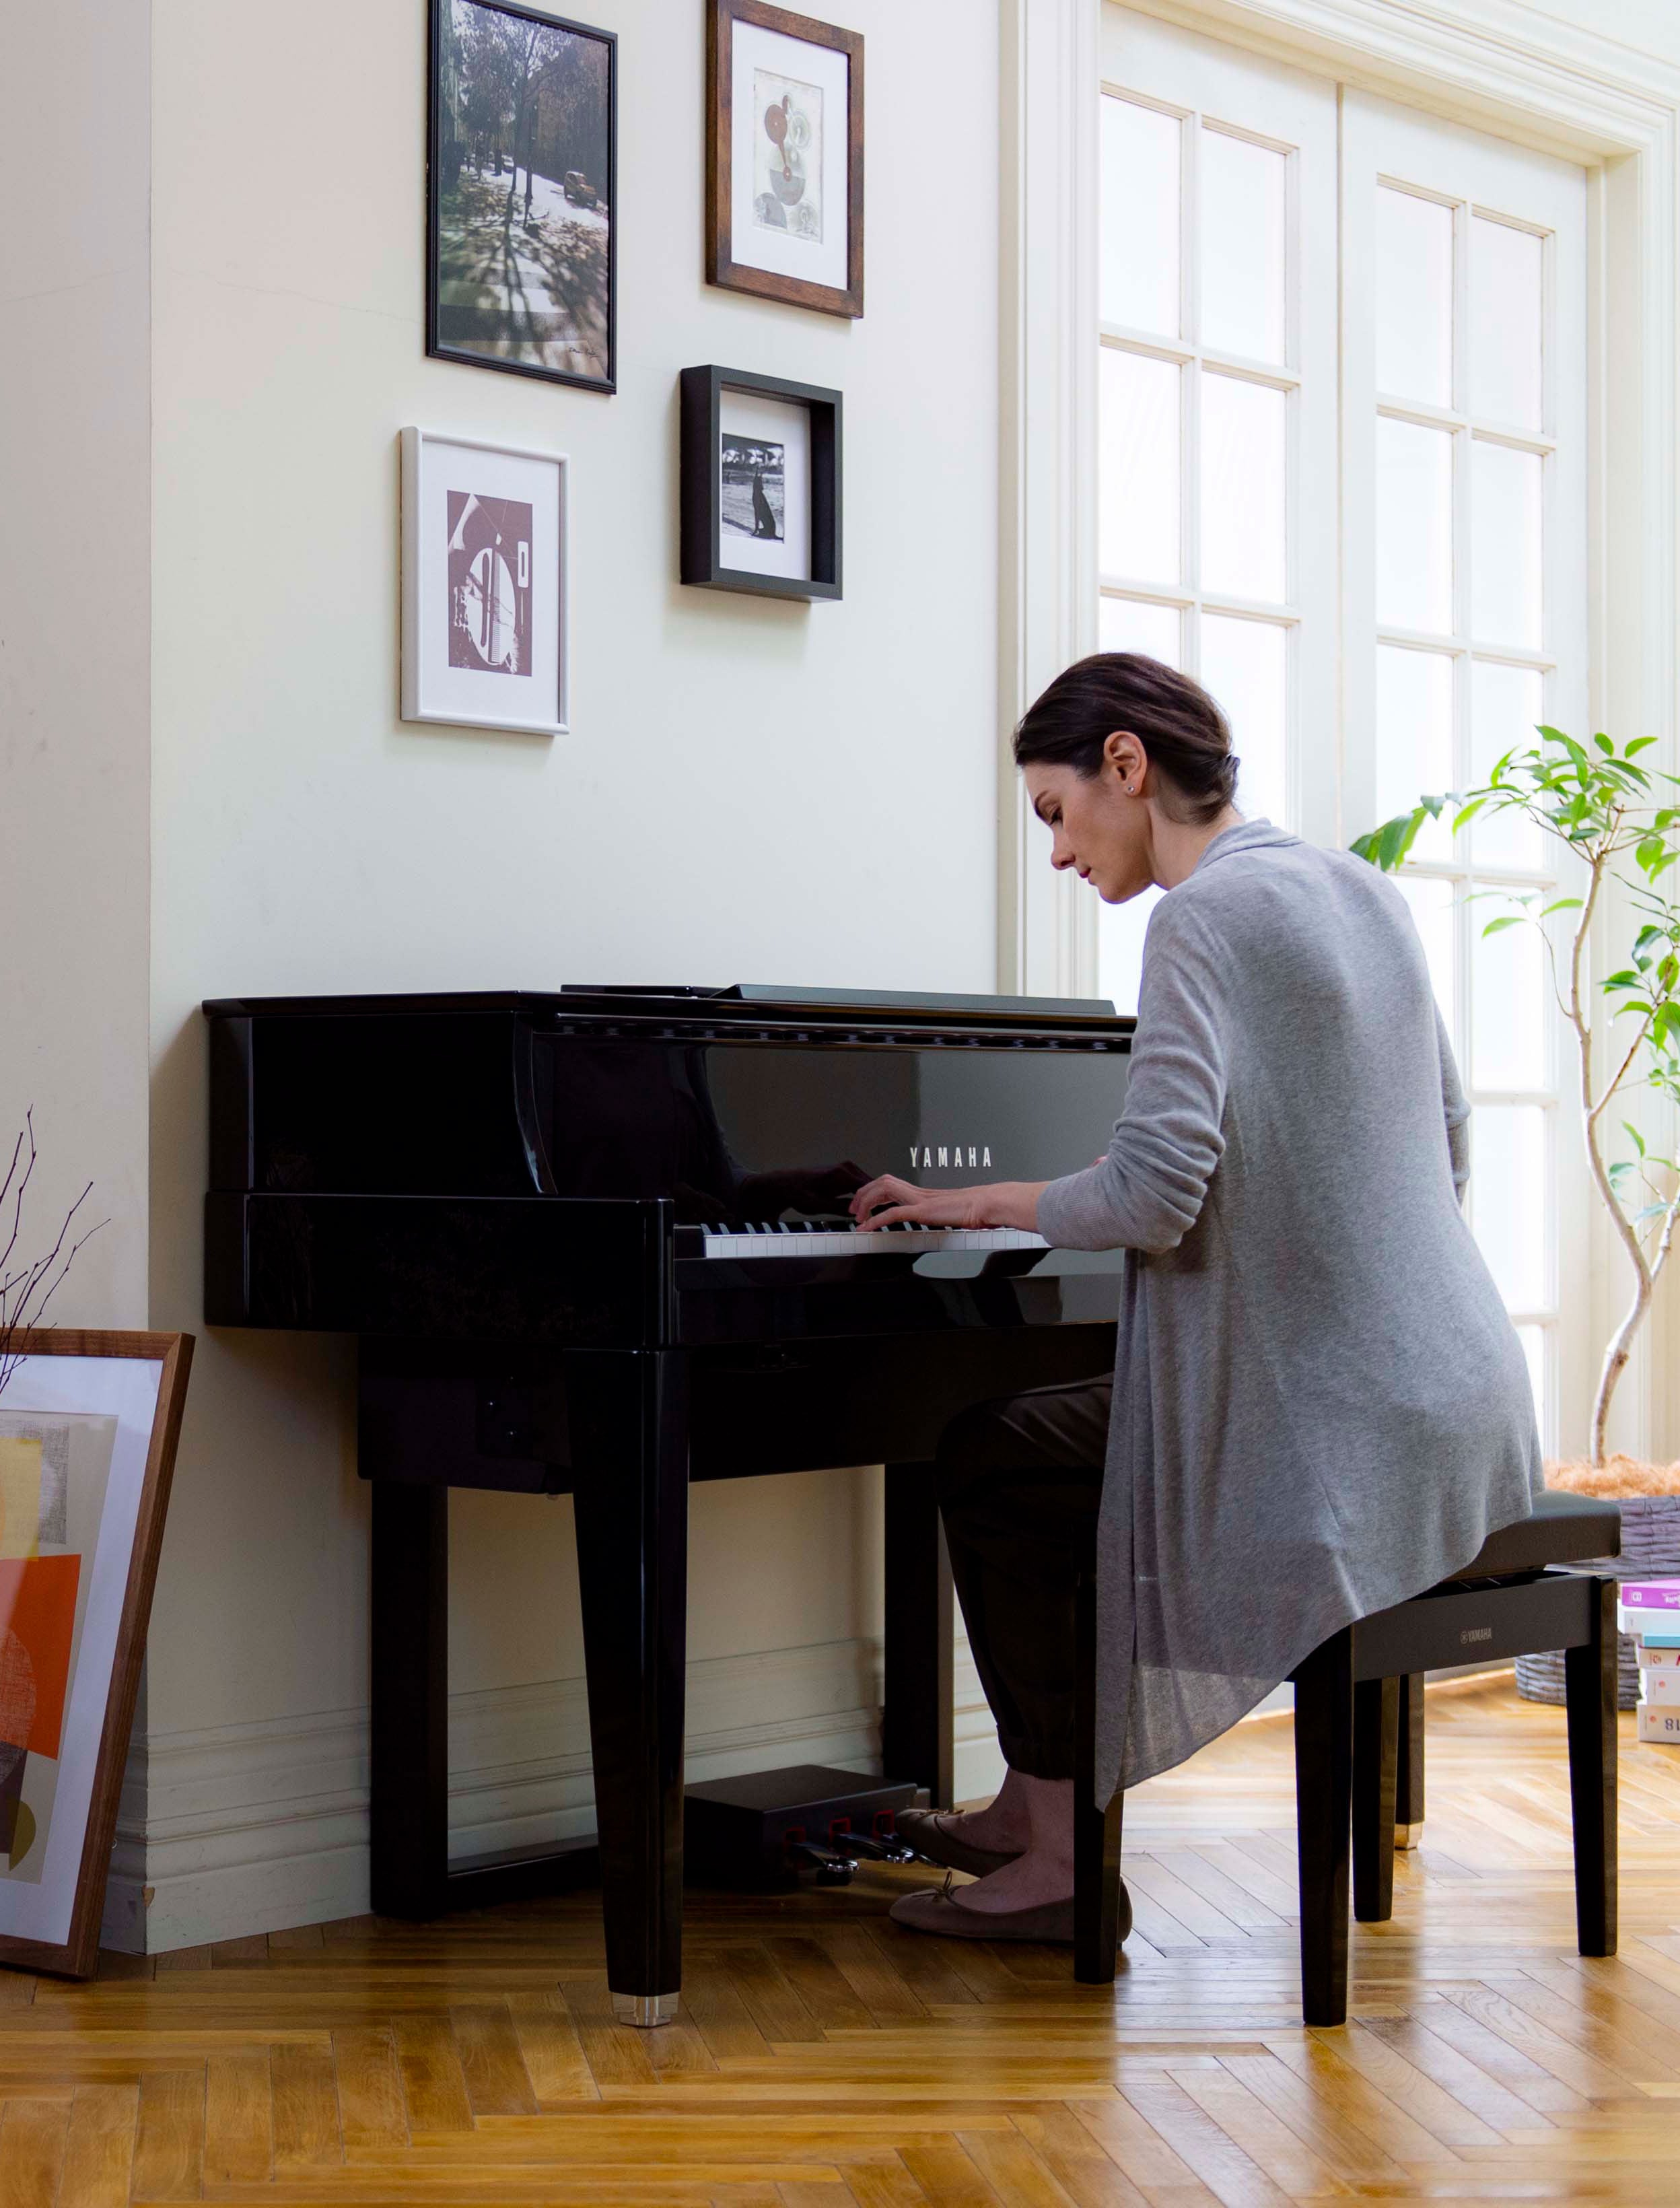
(772, 1240)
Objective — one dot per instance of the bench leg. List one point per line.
(1324, 1801)
(1101, 1910)
(1589, 1694)
(1375, 1761)
(1409, 1775)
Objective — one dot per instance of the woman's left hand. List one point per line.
(887, 1200)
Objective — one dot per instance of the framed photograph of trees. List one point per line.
(784, 157)
(521, 193)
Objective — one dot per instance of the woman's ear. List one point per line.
(1125, 755)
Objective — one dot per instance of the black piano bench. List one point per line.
(1352, 1763)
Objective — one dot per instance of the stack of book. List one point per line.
(1649, 1611)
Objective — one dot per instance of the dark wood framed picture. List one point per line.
(784, 157)
(760, 485)
(521, 178)
(88, 1425)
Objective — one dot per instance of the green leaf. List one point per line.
(1638, 744)
(1509, 919)
(1605, 745)
(1634, 1136)
(1466, 813)
(1559, 905)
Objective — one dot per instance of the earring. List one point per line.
(1131, 789)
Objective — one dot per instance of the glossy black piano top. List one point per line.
(739, 1115)
(748, 1119)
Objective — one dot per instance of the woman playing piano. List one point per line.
(1319, 1407)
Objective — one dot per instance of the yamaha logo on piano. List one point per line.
(924, 1156)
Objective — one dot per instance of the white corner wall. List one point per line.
(752, 790)
(74, 487)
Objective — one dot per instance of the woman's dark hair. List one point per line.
(1183, 730)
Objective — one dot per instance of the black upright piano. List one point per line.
(598, 1241)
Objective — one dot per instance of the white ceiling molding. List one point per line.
(1495, 63)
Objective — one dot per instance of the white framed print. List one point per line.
(784, 170)
(486, 566)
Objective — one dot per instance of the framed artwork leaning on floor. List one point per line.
(521, 175)
(485, 567)
(784, 157)
(88, 1426)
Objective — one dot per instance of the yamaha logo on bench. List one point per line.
(1476, 1633)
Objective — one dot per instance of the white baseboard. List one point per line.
(258, 1827)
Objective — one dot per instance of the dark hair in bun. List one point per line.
(1183, 730)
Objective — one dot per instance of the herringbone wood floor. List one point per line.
(827, 2061)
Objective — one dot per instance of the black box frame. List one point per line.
(437, 348)
(702, 557)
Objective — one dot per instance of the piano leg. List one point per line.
(629, 1415)
(409, 1796)
(917, 1723)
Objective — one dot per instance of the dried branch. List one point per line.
(27, 1290)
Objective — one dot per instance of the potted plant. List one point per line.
(1615, 818)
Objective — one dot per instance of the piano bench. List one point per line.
(1512, 1600)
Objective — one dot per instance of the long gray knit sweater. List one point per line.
(1321, 1406)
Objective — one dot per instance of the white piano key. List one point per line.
(766, 1242)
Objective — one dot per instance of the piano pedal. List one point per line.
(878, 1846)
(832, 1869)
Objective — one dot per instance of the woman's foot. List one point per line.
(1032, 1890)
(1003, 1827)
(1043, 1872)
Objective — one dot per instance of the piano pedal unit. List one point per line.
(760, 1830)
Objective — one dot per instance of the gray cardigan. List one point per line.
(1321, 1406)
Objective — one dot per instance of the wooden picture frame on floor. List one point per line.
(760, 466)
(88, 1426)
(784, 157)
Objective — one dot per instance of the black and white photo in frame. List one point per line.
(760, 485)
(485, 584)
(764, 485)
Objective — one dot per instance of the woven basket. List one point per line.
(1650, 1550)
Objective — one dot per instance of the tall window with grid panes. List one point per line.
(1341, 480)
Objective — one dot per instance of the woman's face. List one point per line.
(1099, 826)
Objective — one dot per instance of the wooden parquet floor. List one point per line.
(827, 2061)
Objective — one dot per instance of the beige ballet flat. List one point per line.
(1051, 1922)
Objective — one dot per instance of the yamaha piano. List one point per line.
(598, 1242)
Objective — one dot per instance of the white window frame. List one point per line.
(1306, 135)
(1498, 69)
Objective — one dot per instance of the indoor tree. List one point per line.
(1611, 813)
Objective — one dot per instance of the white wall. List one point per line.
(74, 489)
(752, 790)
